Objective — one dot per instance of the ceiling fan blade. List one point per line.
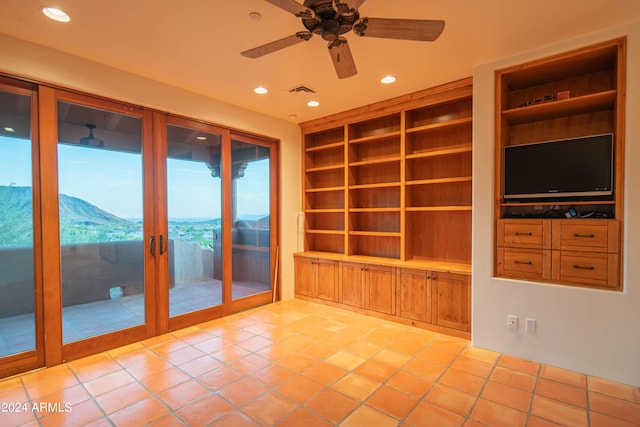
(342, 58)
(293, 7)
(259, 51)
(405, 29)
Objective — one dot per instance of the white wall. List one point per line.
(27, 60)
(591, 331)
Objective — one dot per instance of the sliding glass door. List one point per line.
(20, 303)
(251, 195)
(118, 223)
(194, 216)
(101, 221)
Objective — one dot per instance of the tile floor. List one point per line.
(296, 363)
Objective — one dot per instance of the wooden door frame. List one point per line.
(30, 359)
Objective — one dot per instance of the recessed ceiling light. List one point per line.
(313, 103)
(201, 138)
(261, 90)
(255, 16)
(388, 80)
(56, 14)
(9, 129)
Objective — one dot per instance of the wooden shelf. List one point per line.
(380, 185)
(565, 107)
(441, 125)
(323, 189)
(375, 161)
(325, 147)
(336, 232)
(375, 138)
(325, 168)
(315, 211)
(437, 181)
(406, 168)
(374, 233)
(595, 77)
(556, 203)
(438, 208)
(437, 153)
(362, 210)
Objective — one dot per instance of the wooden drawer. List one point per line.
(598, 269)
(524, 263)
(519, 233)
(586, 235)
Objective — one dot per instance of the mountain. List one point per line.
(78, 211)
(16, 216)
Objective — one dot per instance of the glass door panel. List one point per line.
(194, 206)
(17, 287)
(251, 206)
(102, 248)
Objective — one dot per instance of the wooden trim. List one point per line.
(52, 293)
(30, 359)
(193, 318)
(227, 223)
(37, 230)
(77, 349)
(447, 92)
(155, 221)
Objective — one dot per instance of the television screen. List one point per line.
(576, 167)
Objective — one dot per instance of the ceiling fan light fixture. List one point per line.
(388, 79)
(261, 90)
(313, 103)
(56, 14)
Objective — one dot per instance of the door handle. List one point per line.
(152, 245)
(163, 245)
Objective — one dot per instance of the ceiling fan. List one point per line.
(90, 139)
(332, 18)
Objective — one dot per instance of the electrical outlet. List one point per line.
(512, 322)
(531, 326)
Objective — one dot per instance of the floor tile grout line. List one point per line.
(256, 331)
(533, 393)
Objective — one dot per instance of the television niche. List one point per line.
(575, 168)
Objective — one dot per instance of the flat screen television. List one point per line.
(576, 167)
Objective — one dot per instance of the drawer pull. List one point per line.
(524, 234)
(586, 236)
(522, 262)
(582, 267)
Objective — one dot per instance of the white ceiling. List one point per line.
(196, 44)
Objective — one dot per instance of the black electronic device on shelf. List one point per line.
(569, 168)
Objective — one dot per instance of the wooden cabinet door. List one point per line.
(414, 295)
(351, 286)
(452, 300)
(380, 288)
(305, 276)
(326, 279)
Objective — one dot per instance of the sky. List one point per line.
(112, 181)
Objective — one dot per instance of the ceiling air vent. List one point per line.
(301, 90)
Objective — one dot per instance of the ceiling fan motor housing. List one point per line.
(329, 22)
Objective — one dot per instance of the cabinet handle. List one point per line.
(583, 267)
(524, 234)
(586, 236)
(522, 262)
